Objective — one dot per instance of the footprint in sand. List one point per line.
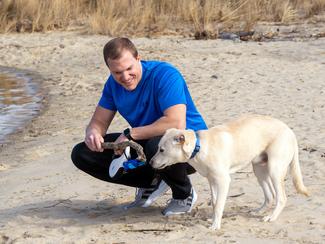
(3, 167)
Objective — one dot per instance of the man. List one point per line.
(152, 96)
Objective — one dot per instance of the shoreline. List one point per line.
(46, 199)
(42, 100)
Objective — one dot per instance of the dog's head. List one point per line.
(174, 147)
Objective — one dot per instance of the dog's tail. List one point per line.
(296, 172)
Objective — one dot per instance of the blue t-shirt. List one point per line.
(160, 87)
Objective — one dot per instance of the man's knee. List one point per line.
(179, 170)
(190, 170)
(77, 152)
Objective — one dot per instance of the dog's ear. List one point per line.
(189, 142)
(187, 139)
(179, 139)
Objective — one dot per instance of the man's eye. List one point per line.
(161, 150)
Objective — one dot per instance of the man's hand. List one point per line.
(121, 138)
(94, 140)
(97, 127)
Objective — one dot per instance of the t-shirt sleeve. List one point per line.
(171, 89)
(106, 100)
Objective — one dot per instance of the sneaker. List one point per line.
(116, 168)
(176, 206)
(156, 192)
(144, 197)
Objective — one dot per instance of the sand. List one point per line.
(45, 199)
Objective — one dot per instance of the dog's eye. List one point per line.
(161, 150)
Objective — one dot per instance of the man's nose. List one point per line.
(125, 76)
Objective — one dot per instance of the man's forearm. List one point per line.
(98, 126)
(100, 121)
(157, 128)
(174, 117)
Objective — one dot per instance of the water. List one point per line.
(20, 100)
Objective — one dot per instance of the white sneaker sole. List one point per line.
(162, 189)
(117, 163)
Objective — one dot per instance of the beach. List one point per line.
(46, 199)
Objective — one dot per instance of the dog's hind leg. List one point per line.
(277, 175)
(270, 184)
(213, 188)
(280, 154)
(262, 175)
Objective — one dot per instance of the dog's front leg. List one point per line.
(219, 184)
(213, 188)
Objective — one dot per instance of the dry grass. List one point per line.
(149, 17)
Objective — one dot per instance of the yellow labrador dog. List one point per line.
(269, 144)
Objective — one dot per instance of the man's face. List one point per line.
(126, 70)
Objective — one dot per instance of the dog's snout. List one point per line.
(153, 163)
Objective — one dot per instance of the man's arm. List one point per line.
(97, 128)
(174, 117)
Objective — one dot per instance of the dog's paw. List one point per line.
(266, 218)
(212, 228)
(269, 218)
(215, 226)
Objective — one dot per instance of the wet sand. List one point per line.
(44, 198)
(20, 100)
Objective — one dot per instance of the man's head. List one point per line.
(122, 59)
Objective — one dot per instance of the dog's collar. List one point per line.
(197, 145)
